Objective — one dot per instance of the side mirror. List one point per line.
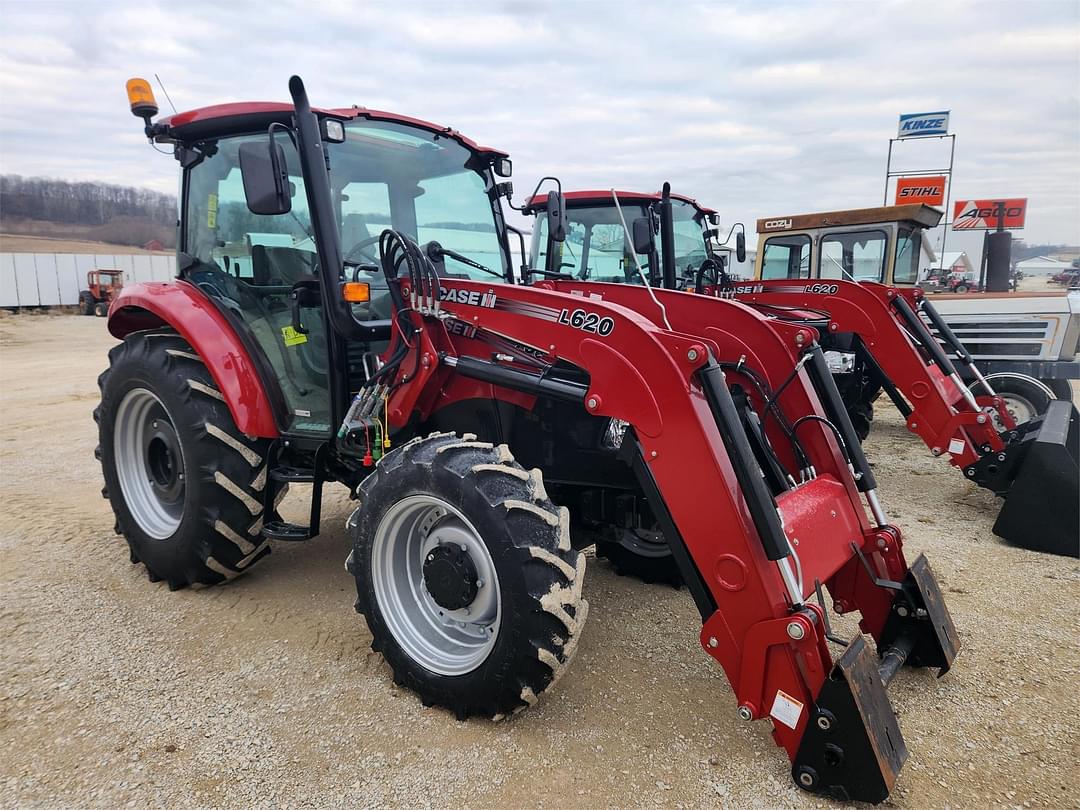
(266, 180)
(556, 217)
(556, 222)
(740, 246)
(503, 167)
(644, 238)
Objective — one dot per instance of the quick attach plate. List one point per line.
(852, 749)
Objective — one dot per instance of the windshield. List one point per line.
(597, 248)
(385, 175)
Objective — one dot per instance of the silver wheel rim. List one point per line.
(448, 642)
(149, 463)
(1020, 408)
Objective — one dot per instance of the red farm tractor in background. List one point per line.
(346, 311)
(878, 337)
(102, 286)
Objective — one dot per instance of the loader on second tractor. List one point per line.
(384, 346)
(875, 327)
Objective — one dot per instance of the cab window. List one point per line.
(786, 257)
(908, 248)
(854, 256)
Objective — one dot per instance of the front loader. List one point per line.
(344, 311)
(883, 331)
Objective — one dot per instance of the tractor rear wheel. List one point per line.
(861, 413)
(185, 485)
(641, 555)
(86, 303)
(465, 575)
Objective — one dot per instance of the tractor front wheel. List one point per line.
(465, 575)
(185, 485)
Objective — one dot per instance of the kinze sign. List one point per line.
(927, 190)
(982, 215)
(920, 125)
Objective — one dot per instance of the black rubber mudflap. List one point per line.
(852, 749)
(1042, 509)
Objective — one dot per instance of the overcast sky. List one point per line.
(757, 109)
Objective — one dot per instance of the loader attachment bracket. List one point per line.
(919, 624)
(852, 749)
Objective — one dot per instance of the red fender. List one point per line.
(181, 306)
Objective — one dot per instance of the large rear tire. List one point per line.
(641, 555)
(465, 575)
(86, 303)
(185, 485)
(861, 413)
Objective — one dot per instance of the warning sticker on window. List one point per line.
(211, 211)
(292, 337)
(786, 709)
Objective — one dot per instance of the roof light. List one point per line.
(356, 292)
(141, 99)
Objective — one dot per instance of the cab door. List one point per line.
(262, 272)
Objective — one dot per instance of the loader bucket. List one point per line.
(1042, 509)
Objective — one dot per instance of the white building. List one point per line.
(1041, 266)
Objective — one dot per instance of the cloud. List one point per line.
(756, 109)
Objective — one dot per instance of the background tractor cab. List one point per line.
(865, 244)
(605, 229)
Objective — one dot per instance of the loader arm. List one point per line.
(940, 409)
(752, 558)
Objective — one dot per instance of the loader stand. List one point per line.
(852, 749)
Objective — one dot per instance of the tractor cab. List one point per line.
(865, 244)
(611, 236)
(249, 240)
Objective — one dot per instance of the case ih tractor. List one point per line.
(878, 337)
(490, 430)
(102, 286)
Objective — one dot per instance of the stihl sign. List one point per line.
(921, 125)
(927, 190)
(982, 215)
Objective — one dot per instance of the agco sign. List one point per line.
(982, 215)
(921, 125)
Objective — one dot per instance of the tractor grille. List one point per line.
(1012, 337)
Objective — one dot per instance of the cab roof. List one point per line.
(603, 196)
(248, 116)
(918, 214)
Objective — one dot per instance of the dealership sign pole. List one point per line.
(929, 186)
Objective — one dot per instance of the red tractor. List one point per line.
(877, 336)
(102, 286)
(491, 430)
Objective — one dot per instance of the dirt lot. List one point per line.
(115, 691)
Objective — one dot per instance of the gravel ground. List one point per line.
(114, 691)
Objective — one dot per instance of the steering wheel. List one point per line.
(359, 246)
(718, 275)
